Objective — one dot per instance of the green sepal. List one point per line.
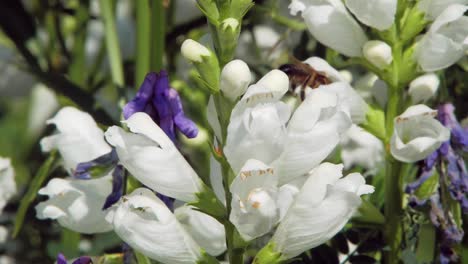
(206, 259)
(226, 41)
(111, 259)
(209, 9)
(408, 67)
(209, 72)
(428, 187)
(369, 214)
(208, 203)
(414, 23)
(240, 7)
(268, 255)
(375, 122)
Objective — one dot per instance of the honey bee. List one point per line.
(302, 75)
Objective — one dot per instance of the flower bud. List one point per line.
(194, 51)
(231, 23)
(378, 53)
(417, 134)
(235, 78)
(424, 87)
(205, 61)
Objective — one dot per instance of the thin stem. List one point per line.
(158, 22)
(112, 42)
(143, 22)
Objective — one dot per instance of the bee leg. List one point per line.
(304, 87)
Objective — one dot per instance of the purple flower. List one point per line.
(105, 162)
(163, 104)
(81, 260)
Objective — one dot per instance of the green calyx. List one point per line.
(375, 122)
(208, 203)
(268, 255)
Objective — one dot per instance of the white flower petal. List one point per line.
(151, 157)
(417, 134)
(360, 147)
(7, 182)
(433, 8)
(423, 87)
(443, 44)
(323, 66)
(254, 197)
(79, 139)
(334, 27)
(76, 204)
(204, 229)
(320, 210)
(379, 14)
(144, 222)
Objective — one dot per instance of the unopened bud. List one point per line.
(230, 23)
(235, 78)
(194, 51)
(423, 87)
(378, 53)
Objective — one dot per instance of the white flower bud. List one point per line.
(424, 87)
(235, 78)
(378, 53)
(417, 134)
(230, 23)
(194, 51)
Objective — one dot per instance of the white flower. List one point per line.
(423, 87)
(7, 182)
(194, 51)
(360, 147)
(433, 8)
(371, 88)
(445, 42)
(204, 229)
(254, 200)
(76, 204)
(144, 222)
(258, 130)
(379, 14)
(378, 53)
(43, 104)
(235, 78)
(332, 25)
(151, 157)
(321, 208)
(350, 100)
(417, 134)
(79, 139)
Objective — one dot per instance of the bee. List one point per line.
(302, 75)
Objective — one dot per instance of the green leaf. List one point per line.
(44, 171)
(426, 244)
(428, 187)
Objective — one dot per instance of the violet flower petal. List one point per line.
(184, 124)
(160, 102)
(143, 96)
(82, 170)
(117, 187)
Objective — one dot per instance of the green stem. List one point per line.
(393, 179)
(158, 22)
(143, 32)
(112, 42)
